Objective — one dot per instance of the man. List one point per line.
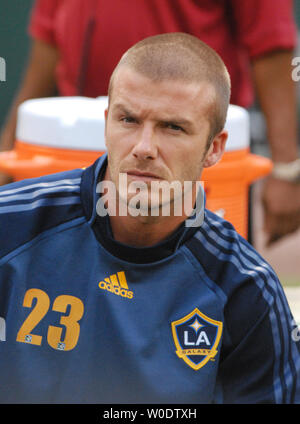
(77, 44)
(139, 308)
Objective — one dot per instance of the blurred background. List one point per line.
(284, 256)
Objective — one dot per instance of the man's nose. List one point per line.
(146, 143)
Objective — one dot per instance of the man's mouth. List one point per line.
(142, 175)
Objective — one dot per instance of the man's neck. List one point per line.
(141, 232)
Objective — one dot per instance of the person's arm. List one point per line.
(38, 81)
(277, 95)
(269, 35)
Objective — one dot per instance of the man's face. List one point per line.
(156, 131)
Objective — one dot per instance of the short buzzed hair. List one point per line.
(182, 57)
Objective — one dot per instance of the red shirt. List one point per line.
(239, 30)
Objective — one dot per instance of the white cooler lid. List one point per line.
(238, 127)
(78, 123)
(63, 122)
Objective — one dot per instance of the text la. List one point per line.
(202, 338)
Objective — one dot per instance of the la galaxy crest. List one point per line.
(196, 338)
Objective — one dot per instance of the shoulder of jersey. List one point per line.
(226, 257)
(32, 206)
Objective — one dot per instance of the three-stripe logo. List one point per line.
(116, 284)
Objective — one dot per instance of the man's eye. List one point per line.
(128, 119)
(174, 127)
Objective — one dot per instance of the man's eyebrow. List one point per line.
(166, 120)
(122, 108)
(178, 121)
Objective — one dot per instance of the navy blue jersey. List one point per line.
(198, 318)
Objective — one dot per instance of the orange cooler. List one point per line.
(227, 183)
(56, 134)
(63, 133)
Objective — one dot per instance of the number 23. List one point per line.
(40, 309)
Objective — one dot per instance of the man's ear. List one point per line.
(216, 149)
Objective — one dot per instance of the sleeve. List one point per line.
(261, 365)
(42, 20)
(264, 25)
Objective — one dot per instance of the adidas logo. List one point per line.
(116, 284)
